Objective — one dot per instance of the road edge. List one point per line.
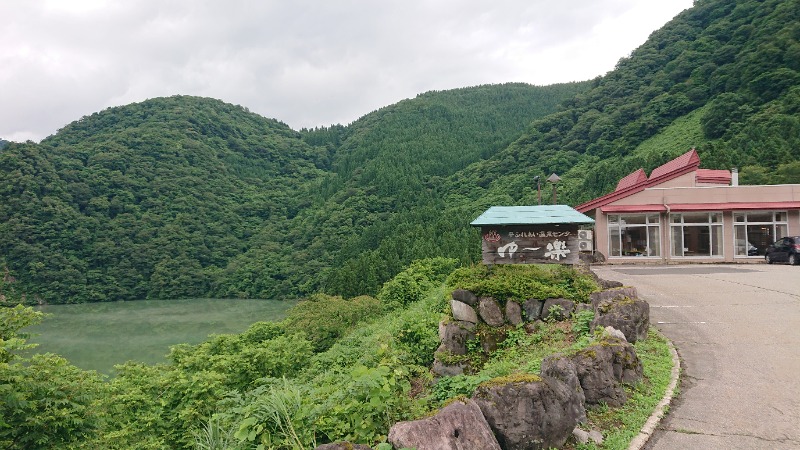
(658, 413)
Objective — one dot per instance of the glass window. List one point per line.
(634, 235)
(755, 231)
(696, 234)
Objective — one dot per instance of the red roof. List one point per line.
(687, 160)
(684, 207)
(631, 180)
(681, 165)
(713, 176)
(733, 206)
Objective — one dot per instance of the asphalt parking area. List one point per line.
(737, 331)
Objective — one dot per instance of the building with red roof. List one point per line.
(682, 213)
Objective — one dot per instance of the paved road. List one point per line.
(737, 331)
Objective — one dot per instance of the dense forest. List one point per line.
(187, 197)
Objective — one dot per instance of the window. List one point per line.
(755, 231)
(634, 235)
(696, 234)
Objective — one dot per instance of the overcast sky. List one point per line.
(305, 63)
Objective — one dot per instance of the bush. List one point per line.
(400, 291)
(324, 318)
(521, 282)
(411, 284)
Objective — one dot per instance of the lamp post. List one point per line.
(538, 188)
(554, 179)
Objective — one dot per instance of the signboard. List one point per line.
(530, 244)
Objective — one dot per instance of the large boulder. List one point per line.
(603, 367)
(463, 312)
(595, 371)
(528, 412)
(533, 309)
(611, 294)
(605, 284)
(629, 314)
(459, 425)
(465, 296)
(513, 313)
(562, 367)
(490, 312)
(626, 365)
(454, 335)
(561, 308)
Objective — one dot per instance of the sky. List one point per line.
(305, 63)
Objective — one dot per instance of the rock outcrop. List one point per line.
(465, 296)
(533, 309)
(513, 313)
(459, 425)
(463, 312)
(603, 367)
(529, 413)
(623, 310)
(557, 308)
(490, 312)
(453, 336)
(563, 368)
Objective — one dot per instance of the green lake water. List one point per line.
(96, 336)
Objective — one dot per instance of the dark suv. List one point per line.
(786, 249)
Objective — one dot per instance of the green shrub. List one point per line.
(324, 318)
(583, 322)
(411, 284)
(400, 291)
(277, 416)
(519, 282)
(447, 388)
(363, 405)
(45, 402)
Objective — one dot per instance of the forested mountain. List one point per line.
(182, 196)
(188, 197)
(723, 77)
(378, 208)
(147, 200)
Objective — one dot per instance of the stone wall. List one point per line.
(525, 411)
(532, 411)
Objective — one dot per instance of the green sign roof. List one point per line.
(531, 215)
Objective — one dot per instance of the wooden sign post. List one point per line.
(530, 244)
(531, 234)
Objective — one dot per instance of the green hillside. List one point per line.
(150, 200)
(721, 74)
(190, 197)
(378, 208)
(182, 196)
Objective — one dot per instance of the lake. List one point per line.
(96, 336)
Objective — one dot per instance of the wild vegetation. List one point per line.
(186, 197)
(334, 369)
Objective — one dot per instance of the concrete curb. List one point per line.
(652, 422)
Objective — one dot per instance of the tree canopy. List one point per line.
(185, 196)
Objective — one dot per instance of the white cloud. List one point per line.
(306, 63)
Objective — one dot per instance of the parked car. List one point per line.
(784, 250)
